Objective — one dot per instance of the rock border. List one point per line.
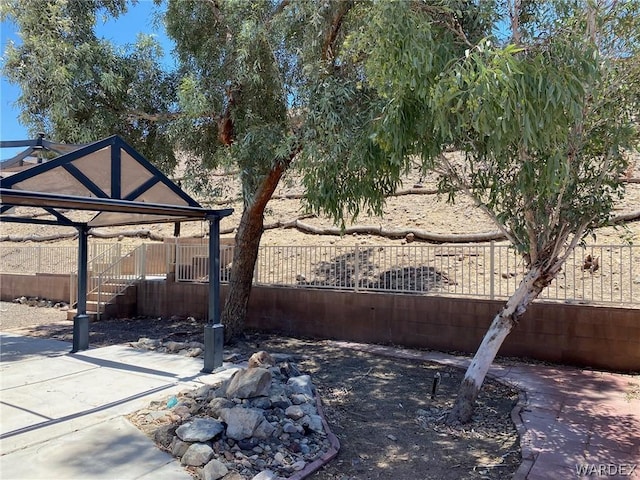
(249, 385)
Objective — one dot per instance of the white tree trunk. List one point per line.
(530, 287)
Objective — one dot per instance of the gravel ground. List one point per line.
(16, 316)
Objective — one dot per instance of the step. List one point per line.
(112, 287)
(72, 312)
(105, 297)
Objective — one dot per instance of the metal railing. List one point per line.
(32, 259)
(486, 270)
(491, 271)
(101, 257)
(117, 277)
(192, 262)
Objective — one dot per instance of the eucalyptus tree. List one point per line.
(256, 81)
(77, 87)
(262, 82)
(540, 114)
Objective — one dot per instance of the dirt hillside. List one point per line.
(422, 211)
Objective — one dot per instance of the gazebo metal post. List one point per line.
(81, 320)
(214, 330)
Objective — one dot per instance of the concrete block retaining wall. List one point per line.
(582, 335)
(588, 336)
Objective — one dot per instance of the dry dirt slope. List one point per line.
(427, 212)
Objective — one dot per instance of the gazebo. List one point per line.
(110, 178)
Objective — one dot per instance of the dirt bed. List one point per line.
(380, 408)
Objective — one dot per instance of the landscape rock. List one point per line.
(294, 412)
(165, 435)
(313, 422)
(252, 382)
(218, 403)
(214, 470)
(264, 430)
(241, 422)
(301, 385)
(261, 359)
(261, 437)
(199, 430)
(265, 475)
(197, 455)
(178, 447)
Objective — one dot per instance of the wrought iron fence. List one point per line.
(491, 271)
(487, 270)
(32, 259)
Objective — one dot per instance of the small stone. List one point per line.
(393, 438)
(301, 384)
(410, 237)
(233, 476)
(214, 470)
(192, 352)
(265, 475)
(313, 422)
(264, 430)
(261, 402)
(148, 343)
(199, 430)
(278, 458)
(299, 399)
(279, 401)
(165, 435)
(218, 404)
(246, 444)
(299, 465)
(173, 347)
(197, 455)
(295, 412)
(261, 359)
(182, 411)
(289, 428)
(153, 416)
(178, 447)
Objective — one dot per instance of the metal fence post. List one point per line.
(492, 264)
(356, 270)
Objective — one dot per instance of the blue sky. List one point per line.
(139, 19)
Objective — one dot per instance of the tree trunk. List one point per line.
(246, 252)
(530, 287)
(245, 255)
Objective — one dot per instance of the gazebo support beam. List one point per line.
(81, 320)
(214, 330)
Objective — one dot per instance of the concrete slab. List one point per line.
(63, 415)
(108, 450)
(16, 347)
(19, 373)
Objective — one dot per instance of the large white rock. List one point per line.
(241, 422)
(197, 455)
(199, 430)
(252, 382)
(214, 470)
(301, 385)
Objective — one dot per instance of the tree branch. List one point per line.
(134, 115)
(330, 37)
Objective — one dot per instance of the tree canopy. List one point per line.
(77, 87)
(533, 125)
(538, 100)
